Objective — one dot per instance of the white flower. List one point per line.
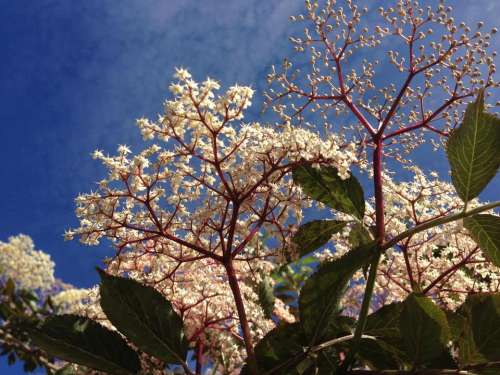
(31, 269)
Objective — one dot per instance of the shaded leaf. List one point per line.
(380, 355)
(424, 328)
(325, 186)
(473, 150)
(320, 296)
(281, 350)
(359, 235)
(316, 233)
(444, 361)
(485, 230)
(480, 338)
(85, 342)
(384, 323)
(144, 316)
(266, 296)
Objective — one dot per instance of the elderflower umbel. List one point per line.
(179, 209)
(30, 269)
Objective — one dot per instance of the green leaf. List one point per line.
(325, 186)
(444, 361)
(485, 230)
(384, 323)
(144, 316)
(359, 235)
(66, 370)
(321, 294)
(480, 338)
(379, 355)
(424, 328)
(281, 350)
(474, 150)
(85, 342)
(10, 287)
(266, 296)
(316, 233)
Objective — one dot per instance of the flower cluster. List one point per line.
(185, 214)
(436, 63)
(443, 262)
(30, 269)
(211, 169)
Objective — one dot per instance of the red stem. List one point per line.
(199, 357)
(378, 183)
(245, 328)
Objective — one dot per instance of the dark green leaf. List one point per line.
(424, 328)
(66, 370)
(359, 235)
(474, 150)
(316, 233)
(281, 350)
(384, 323)
(83, 341)
(10, 287)
(485, 230)
(266, 296)
(480, 338)
(445, 361)
(144, 316)
(320, 296)
(379, 355)
(325, 185)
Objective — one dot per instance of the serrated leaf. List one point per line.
(320, 296)
(424, 329)
(144, 316)
(485, 230)
(325, 186)
(384, 323)
(85, 342)
(474, 150)
(480, 338)
(281, 350)
(316, 233)
(266, 296)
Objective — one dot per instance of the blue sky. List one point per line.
(74, 75)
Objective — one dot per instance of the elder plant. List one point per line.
(411, 285)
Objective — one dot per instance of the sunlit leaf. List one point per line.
(325, 185)
(485, 230)
(474, 150)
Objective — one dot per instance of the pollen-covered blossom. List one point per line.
(184, 213)
(30, 269)
(443, 262)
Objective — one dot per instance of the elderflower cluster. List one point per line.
(421, 54)
(30, 269)
(443, 262)
(71, 300)
(207, 158)
(178, 210)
